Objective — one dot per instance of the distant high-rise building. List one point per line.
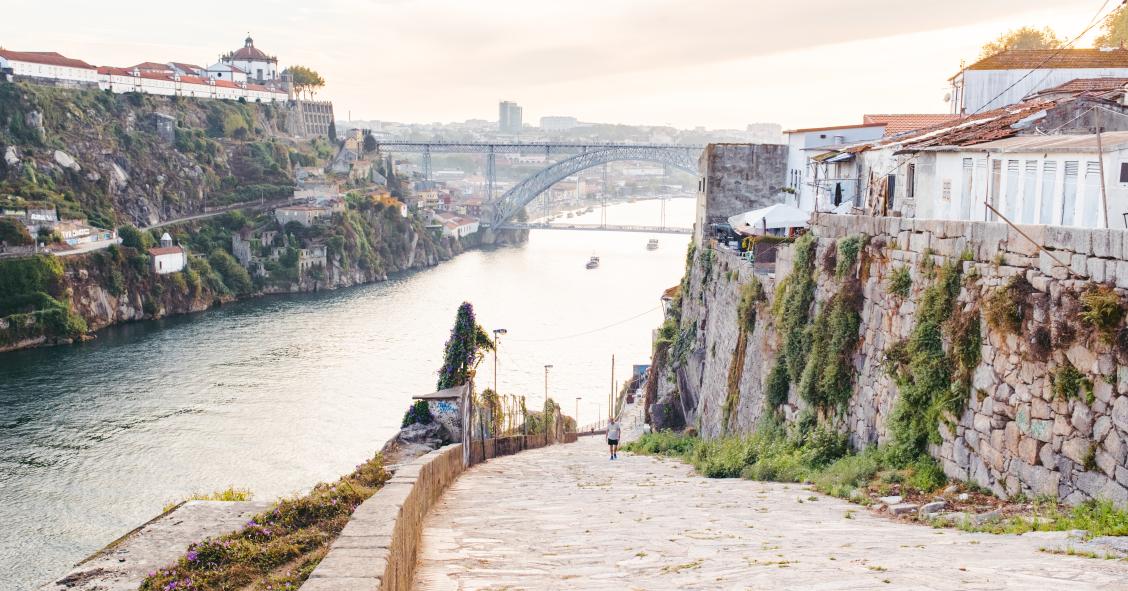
(558, 123)
(509, 117)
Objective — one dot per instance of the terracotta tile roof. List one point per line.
(49, 58)
(159, 250)
(152, 67)
(965, 131)
(115, 71)
(188, 67)
(1024, 59)
(900, 123)
(1082, 85)
(832, 128)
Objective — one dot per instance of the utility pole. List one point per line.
(497, 349)
(578, 414)
(546, 368)
(611, 396)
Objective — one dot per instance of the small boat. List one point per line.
(592, 263)
(571, 215)
(652, 245)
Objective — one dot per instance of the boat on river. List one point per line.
(593, 262)
(652, 245)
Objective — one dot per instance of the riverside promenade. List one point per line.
(565, 517)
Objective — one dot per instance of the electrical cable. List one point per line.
(587, 332)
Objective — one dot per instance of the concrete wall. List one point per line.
(739, 178)
(1015, 436)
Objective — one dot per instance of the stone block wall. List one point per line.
(737, 178)
(1016, 434)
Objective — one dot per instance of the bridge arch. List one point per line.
(524, 192)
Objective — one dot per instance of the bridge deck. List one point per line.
(564, 517)
(596, 227)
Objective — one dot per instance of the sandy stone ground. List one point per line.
(565, 517)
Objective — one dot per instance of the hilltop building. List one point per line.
(1003, 79)
(168, 257)
(251, 60)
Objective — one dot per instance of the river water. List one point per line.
(280, 393)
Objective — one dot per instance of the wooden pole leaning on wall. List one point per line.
(1100, 164)
(1034, 242)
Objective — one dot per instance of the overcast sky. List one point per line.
(714, 63)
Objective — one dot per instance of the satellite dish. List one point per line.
(947, 97)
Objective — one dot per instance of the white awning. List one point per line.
(772, 217)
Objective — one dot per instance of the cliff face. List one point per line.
(139, 159)
(956, 338)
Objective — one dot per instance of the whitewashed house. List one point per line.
(47, 65)
(1004, 78)
(228, 72)
(168, 257)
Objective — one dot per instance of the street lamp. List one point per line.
(497, 349)
(578, 398)
(546, 368)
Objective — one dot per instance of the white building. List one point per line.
(228, 72)
(305, 215)
(253, 62)
(1004, 78)
(168, 258)
(1051, 180)
(47, 65)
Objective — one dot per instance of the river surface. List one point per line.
(277, 394)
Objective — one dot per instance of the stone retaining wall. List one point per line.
(378, 548)
(1016, 435)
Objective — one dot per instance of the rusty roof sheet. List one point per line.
(1025, 59)
(965, 131)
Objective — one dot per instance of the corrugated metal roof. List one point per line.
(1024, 59)
(1053, 143)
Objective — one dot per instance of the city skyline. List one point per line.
(625, 62)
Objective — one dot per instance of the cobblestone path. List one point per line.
(565, 517)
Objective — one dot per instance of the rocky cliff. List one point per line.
(957, 339)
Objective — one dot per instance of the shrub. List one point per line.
(417, 413)
(900, 282)
(777, 386)
(848, 249)
(133, 238)
(847, 474)
(751, 294)
(1101, 309)
(1068, 382)
(1005, 309)
(926, 475)
(235, 277)
(663, 443)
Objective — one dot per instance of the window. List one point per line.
(1091, 206)
(1029, 187)
(1049, 182)
(1124, 172)
(1069, 193)
(890, 190)
(1014, 183)
(910, 182)
(996, 181)
(967, 189)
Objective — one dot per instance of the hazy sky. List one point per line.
(717, 63)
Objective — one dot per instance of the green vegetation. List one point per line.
(751, 295)
(229, 494)
(900, 282)
(848, 249)
(803, 453)
(1005, 308)
(418, 413)
(792, 306)
(1021, 38)
(933, 384)
(827, 379)
(1102, 310)
(1068, 383)
(13, 233)
(1095, 518)
(277, 549)
(464, 349)
(33, 301)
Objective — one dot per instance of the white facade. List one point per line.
(1047, 180)
(255, 64)
(305, 215)
(976, 91)
(229, 72)
(815, 188)
(47, 65)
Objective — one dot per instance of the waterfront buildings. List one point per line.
(168, 257)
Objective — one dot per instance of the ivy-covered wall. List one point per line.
(954, 339)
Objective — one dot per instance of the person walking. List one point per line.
(613, 437)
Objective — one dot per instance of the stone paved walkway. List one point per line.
(565, 517)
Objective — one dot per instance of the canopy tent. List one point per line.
(773, 217)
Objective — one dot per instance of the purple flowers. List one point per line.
(192, 555)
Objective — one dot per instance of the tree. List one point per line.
(333, 132)
(13, 233)
(304, 79)
(369, 143)
(464, 349)
(1021, 38)
(1114, 29)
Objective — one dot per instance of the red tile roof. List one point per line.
(115, 71)
(900, 123)
(965, 131)
(153, 67)
(1080, 85)
(49, 58)
(187, 67)
(157, 251)
(1025, 59)
(832, 128)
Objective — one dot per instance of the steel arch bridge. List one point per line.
(585, 156)
(523, 193)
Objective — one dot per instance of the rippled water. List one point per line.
(277, 394)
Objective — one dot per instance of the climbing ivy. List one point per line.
(464, 349)
(827, 379)
(848, 249)
(930, 380)
(792, 307)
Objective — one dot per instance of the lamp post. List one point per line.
(497, 349)
(546, 368)
(578, 413)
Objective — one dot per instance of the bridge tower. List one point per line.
(606, 189)
(427, 163)
(491, 172)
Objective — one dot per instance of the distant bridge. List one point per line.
(598, 227)
(584, 156)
